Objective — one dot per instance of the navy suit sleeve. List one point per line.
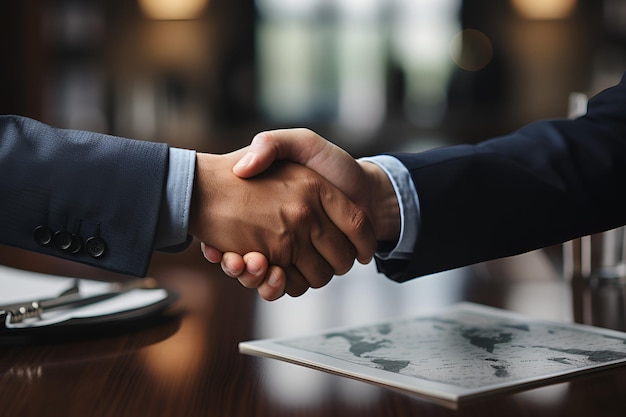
(83, 196)
(544, 184)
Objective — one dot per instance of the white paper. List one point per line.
(19, 286)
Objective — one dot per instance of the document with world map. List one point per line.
(461, 352)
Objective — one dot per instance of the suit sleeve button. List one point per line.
(95, 247)
(63, 240)
(77, 244)
(42, 235)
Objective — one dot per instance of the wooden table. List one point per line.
(187, 363)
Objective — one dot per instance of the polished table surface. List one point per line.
(187, 363)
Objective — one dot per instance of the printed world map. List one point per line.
(468, 348)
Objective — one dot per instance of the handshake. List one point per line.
(290, 211)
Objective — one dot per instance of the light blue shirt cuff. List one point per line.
(172, 230)
(408, 201)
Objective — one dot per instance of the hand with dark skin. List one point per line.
(303, 225)
(364, 183)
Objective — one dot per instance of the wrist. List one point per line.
(383, 205)
(201, 194)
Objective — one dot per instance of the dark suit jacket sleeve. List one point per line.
(544, 184)
(80, 185)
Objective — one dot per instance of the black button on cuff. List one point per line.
(95, 247)
(42, 235)
(77, 244)
(63, 240)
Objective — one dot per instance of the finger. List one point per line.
(259, 156)
(273, 287)
(256, 264)
(296, 284)
(233, 264)
(302, 146)
(351, 220)
(210, 253)
(313, 267)
(255, 271)
(334, 248)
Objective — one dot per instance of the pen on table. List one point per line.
(70, 298)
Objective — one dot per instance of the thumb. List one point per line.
(305, 147)
(296, 145)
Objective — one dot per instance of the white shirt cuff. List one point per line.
(408, 200)
(172, 230)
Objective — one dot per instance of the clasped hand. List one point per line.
(295, 229)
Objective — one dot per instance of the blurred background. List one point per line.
(370, 75)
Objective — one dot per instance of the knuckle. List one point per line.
(359, 221)
(312, 185)
(298, 213)
(282, 251)
(265, 139)
(306, 134)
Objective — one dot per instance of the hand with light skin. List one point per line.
(302, 224)
(364, 183)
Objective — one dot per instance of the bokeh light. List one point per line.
(471, 50)
(544, 9)
(172, 9)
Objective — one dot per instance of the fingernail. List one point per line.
(203, 250)
(245, 161)
(273, 279)
(253, 267)
(229, 272)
